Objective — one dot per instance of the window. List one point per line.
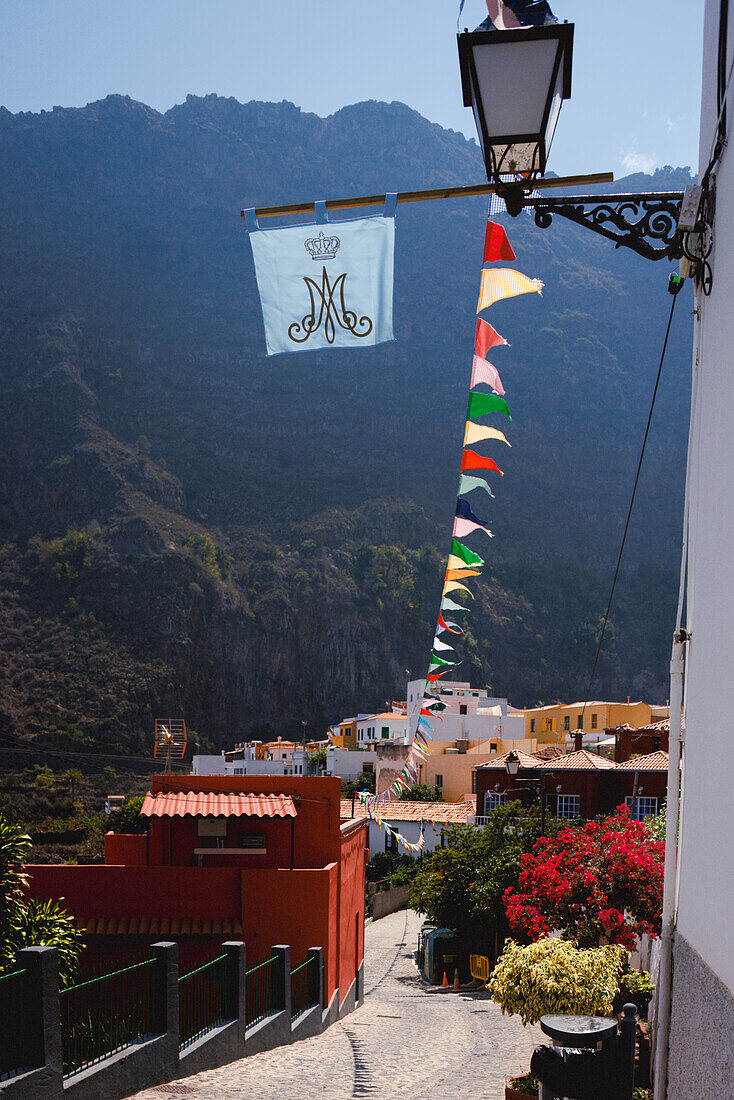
(532, 725)
(473, 782)
(593, 721)
(493, 746)
(439, 782)
(646, 807)
(549, 725)
(391, 842)
(367, 769)
(462, 708)
(567, 722)
(385, 731)
(493, 799)
(252, 840)
(580, 722)
(569, 805)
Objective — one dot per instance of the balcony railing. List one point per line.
(203, 1001)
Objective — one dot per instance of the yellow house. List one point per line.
(558, 722)
(346, 738)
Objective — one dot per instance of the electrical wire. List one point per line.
(632, 500)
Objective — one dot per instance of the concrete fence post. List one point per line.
(316, 975)
(282, 977)
(236, 981)
(42, 975)
(166, 987)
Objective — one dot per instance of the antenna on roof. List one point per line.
(170, 740)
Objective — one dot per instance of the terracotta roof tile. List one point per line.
(445, 813)
(216, 804)
(583, 760)
(527, 760)
(653, 762)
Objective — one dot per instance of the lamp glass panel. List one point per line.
(513, 80)
(555, 110)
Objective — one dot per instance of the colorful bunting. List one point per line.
(475, 433)
(496, 244)
(463, 509)
(486, 337)
(452, 605)
(467, 483)
(457, 586)
(473, 461)
(485, 373)
(448, 625)
(464, 527)
(468, 556)
(481, 404)
(441, 646)
(503, 282)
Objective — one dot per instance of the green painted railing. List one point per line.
(204, 1001)
(262, 995)
(18, 1047)
(107, 1014)
(304, 987)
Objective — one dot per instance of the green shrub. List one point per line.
(555, 976)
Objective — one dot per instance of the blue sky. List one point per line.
(636, 86)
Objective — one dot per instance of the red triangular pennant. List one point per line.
(496, 244)
(486, 338)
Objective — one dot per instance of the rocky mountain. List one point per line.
(190, 527)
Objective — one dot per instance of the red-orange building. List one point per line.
(262, 858)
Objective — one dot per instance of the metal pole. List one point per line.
(542, 804)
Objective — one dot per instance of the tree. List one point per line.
(127, 819)
(601, 880)
(366, 782)
(419, 792)
(30, 922)
(72, 776)
(461, 885)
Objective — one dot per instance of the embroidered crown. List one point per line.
(321, 247)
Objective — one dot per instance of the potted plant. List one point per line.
(525, 1087)
(553, 976)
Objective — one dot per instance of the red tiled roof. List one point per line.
(526, 761)
(654, 727)
(217, 804)
(445, 813)
(583, 760)
(157, 926)
(653, 762)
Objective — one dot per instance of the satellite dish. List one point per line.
(170, 739)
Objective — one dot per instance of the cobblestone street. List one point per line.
(406, 1041)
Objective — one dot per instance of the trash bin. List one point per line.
(576, 1070)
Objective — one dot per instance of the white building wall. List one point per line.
(707, 859)
(411, 830)
(700, 1051)
(348, 764)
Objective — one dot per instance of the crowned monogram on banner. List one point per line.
(325, 288)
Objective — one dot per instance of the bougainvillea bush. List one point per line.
(598, 882)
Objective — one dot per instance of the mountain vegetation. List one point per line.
(188, 527)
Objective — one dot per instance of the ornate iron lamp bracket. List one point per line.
(647, 222)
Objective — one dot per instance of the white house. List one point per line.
(409, 818)
(388, 726)
(701, 1045)
(468, 713)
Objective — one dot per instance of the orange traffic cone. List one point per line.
(445, 982)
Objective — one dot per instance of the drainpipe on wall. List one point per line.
(671, 858)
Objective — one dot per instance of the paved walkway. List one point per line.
(407, 1042)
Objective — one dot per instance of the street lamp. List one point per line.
(512, 767)
(515, 82)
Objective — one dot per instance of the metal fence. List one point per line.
(262, 996)
(204, 1000)
(18, 1045)
(107, 1014)
(304, 986)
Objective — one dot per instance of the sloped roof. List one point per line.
(653, 762)
(583, 760)
(216, 804)
(526, 761)
(440, 813)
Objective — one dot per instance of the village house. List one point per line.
(410, 819)
(265, 859)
